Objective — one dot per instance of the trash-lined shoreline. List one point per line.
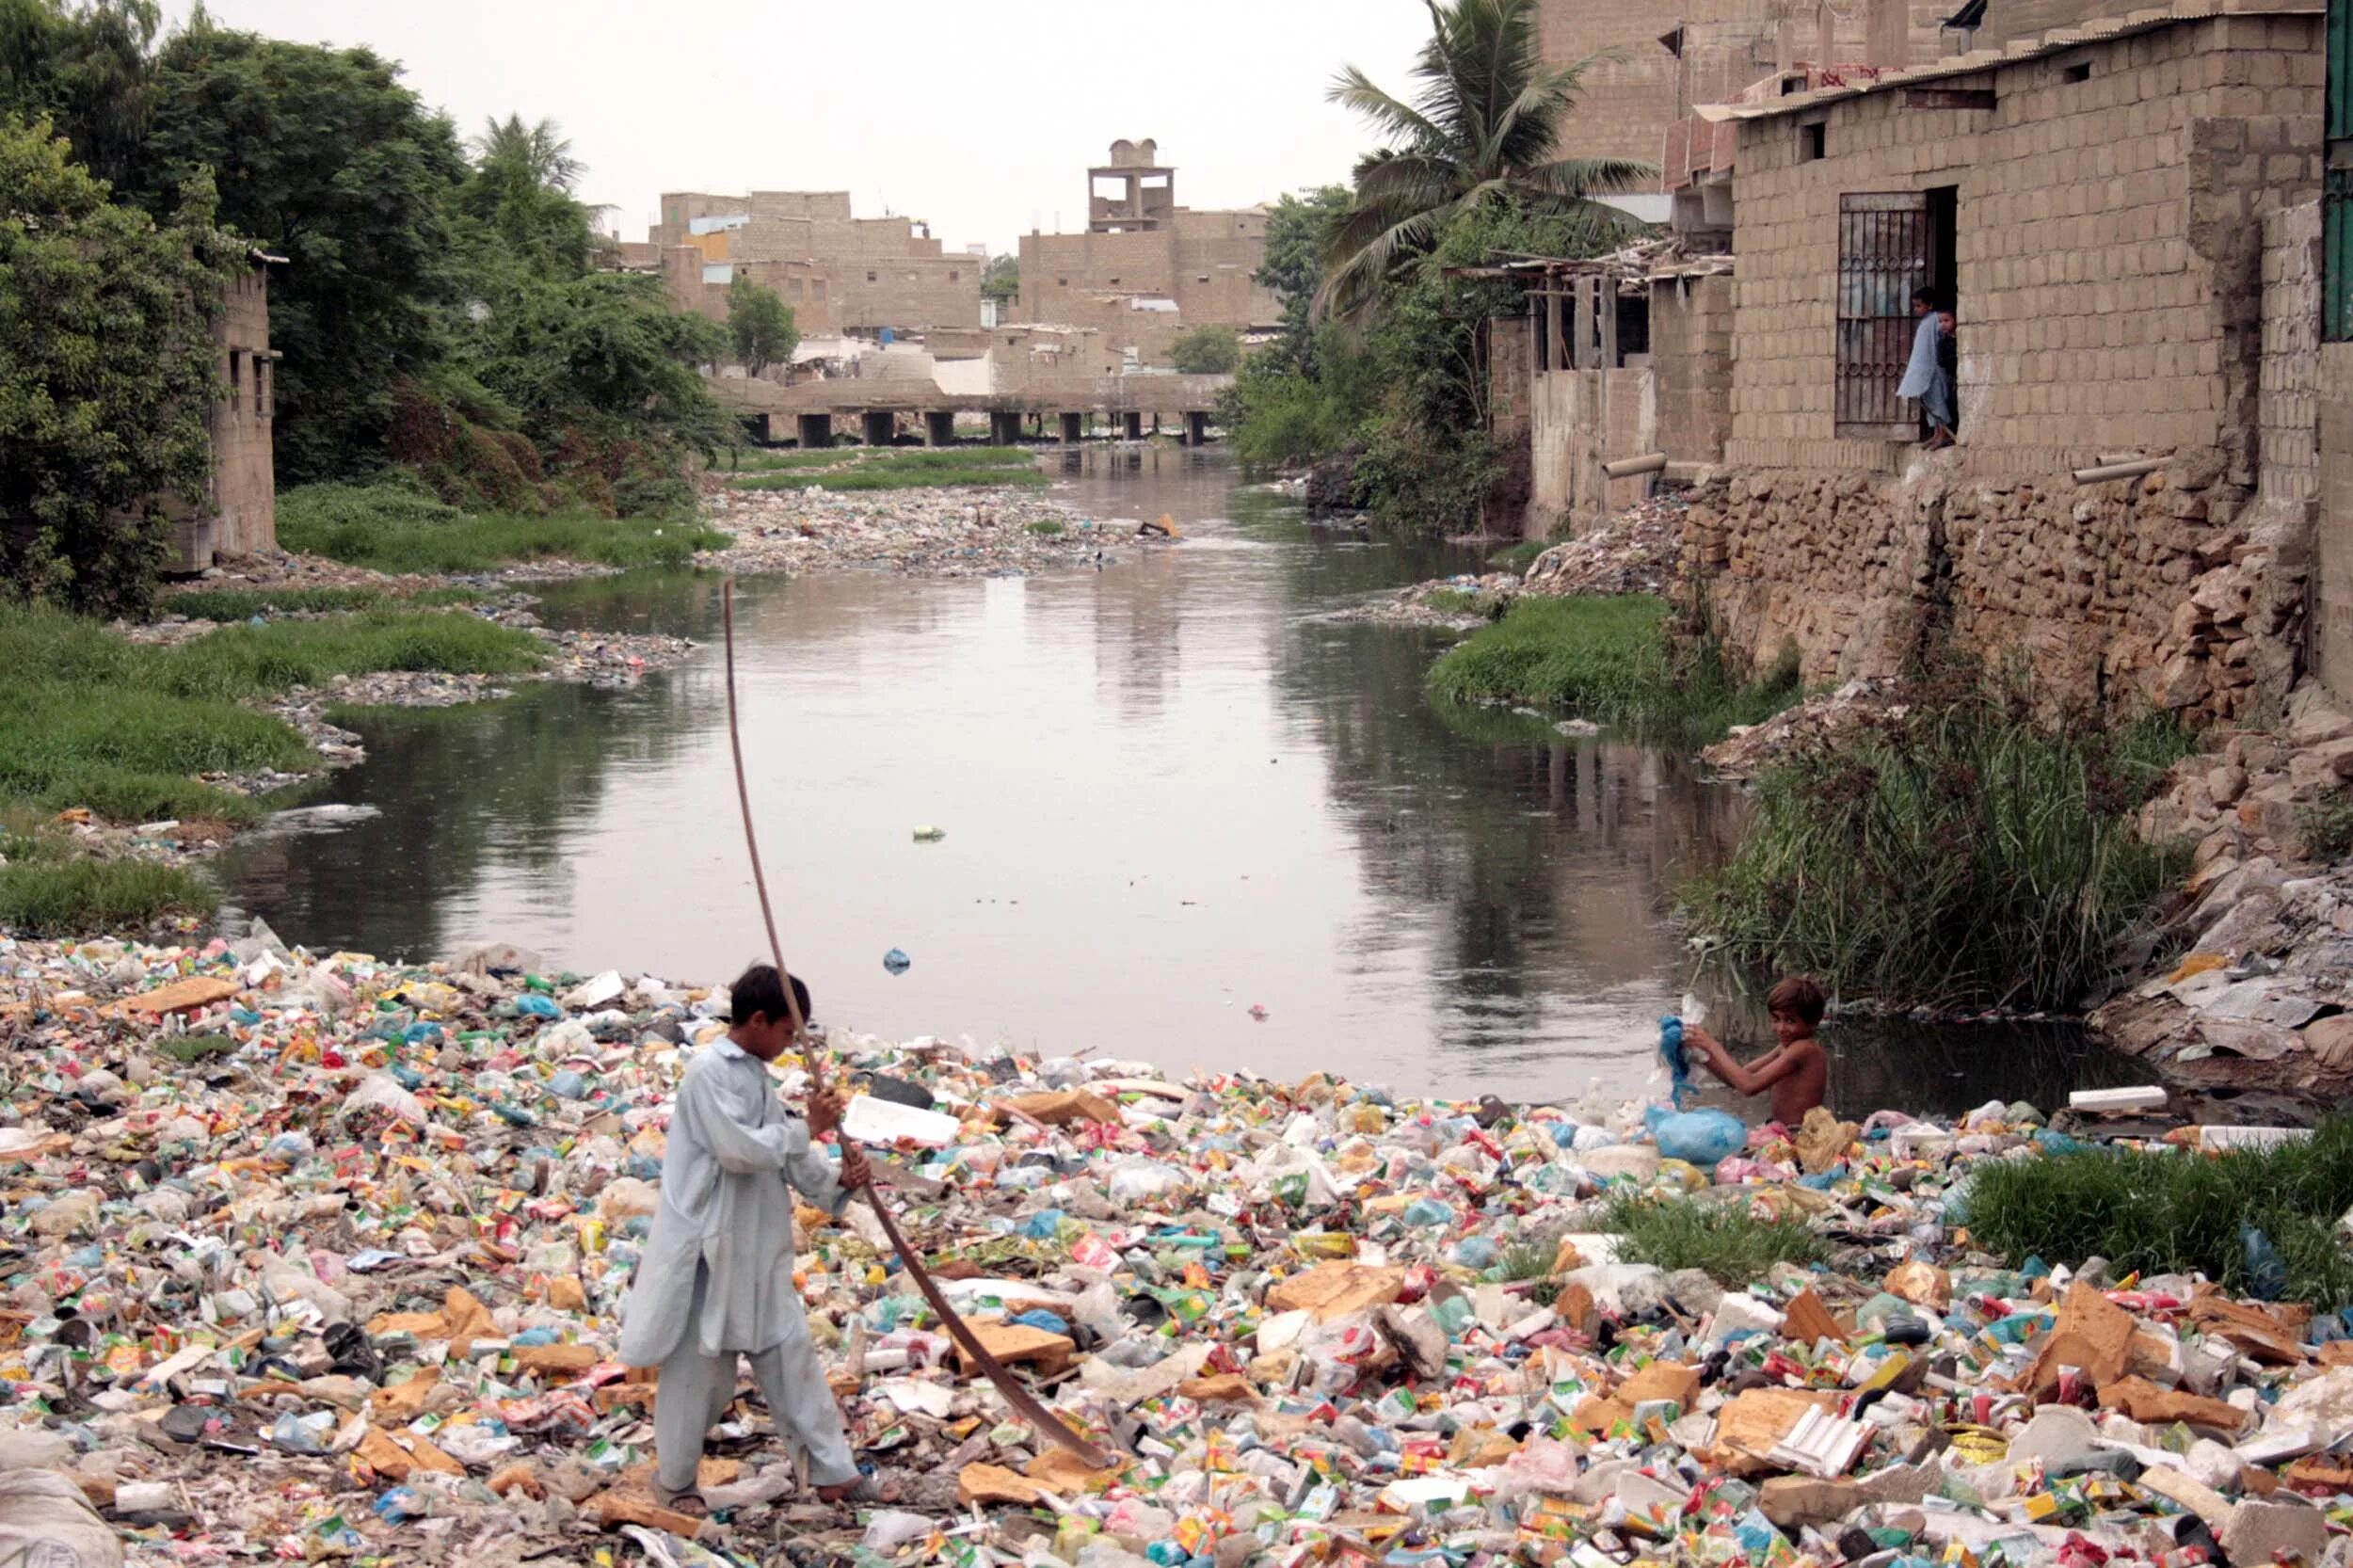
(322, 1257)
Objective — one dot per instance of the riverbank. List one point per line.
(402, 1342)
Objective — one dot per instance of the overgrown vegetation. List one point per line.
(441, 310)
(1518, 557)
(1382, 358)
(90, 720)
(760, 325)
(396, 527)
(1206, 350)
(1964, 851)
(1719, 1238)
(892, 468)
(2169, 1212)
(2325, 826)
(1615, 661)
(227, 604)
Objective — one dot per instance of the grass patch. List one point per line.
(1965, 854)
(2327, 827)
(1518, 557)
(1045, 528)
(1721, 1239)
(395, 528)
(1613, 661)
(2175, 1212)
(892, 467)
(235, 604)
(88, 719)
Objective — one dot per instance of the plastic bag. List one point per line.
(1144, 1180)
(1702, 1138)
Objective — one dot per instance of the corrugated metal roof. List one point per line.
(2094, 30)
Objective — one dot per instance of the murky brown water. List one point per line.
(1169, 793)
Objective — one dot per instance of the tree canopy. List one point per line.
(106, 373)
(1206, 350)
(760, 325)
(1001, 280)
(1481, 131)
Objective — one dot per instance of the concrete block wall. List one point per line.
(2108, 248)
(1691, 355)
(242, 495)
(2331, 633)
(2288, 417)
(1578, 420)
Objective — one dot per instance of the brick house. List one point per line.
(239, 513)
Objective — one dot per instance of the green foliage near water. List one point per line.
(1206, 350)
(1967, 852)
(395, 527)
(59, 895)
(2174, 1212)
(227, 604)
(1518, 557)
(1613, 661)
(1720, 1239)
(106, 373)
(892, 467)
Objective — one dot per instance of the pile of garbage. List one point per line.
(319, 1257)
(958, 533)
(1635, 551)
(1459, 603)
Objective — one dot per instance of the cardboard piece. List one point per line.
(1061, 1107)
(2264, 1335)
(1662, 1380)
(1013, 1343)
(1806, 1319)
(1922, 1285)
(994, 1484)
(558, 1359)
(402, 1402)
(1751, 1424)
(2091, 1332)
(1060, 1471)
(2145, 1403)
(1336, 1289)
(1225, 1387)
(181, 996)
(628, 1506)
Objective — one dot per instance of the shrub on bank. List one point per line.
(1721, 1240)
(393, 525)
(1965, 852)
(1613, 661)
(2175, 1212)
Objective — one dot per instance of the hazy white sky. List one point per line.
(979, 115)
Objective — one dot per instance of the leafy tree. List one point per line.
(1001, 280)
(106, 374)
(523, 221)
(1206, 350)
(86, 67)
(1481, 133)
(760, 325)
(603, 348)
(322, 156)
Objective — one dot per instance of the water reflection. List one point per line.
(1170, 791)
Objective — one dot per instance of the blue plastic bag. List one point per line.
(2266, 1271)
(1701, 1138)
(1678, 1063)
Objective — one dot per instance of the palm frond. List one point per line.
(1576, 177)
(1352, 282)
(1392, 117)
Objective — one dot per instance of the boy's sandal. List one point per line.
(862, 1490)
(687, 1501)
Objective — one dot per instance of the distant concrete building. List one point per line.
(1147, 270)
(852, 274)
(239, 512)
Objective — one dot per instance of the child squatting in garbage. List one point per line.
(1798, 1071)
(717, 1278)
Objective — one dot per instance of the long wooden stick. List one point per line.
(1048, 1425)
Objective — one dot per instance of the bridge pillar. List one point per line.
(1004, 428)
(1131, 422)
(940, 427)
(816, 430)
(1196, 427)
(1073, 425)
(881, 424)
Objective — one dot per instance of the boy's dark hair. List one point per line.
(1923, 297)
(757, 993)
(1796, 996)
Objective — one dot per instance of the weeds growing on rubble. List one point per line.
(1964, 851)
(46, 889)
(88, 719)
(231, 604)
(895, 469)
(1721, 1240)
(1518, 557)
(2172, 1212)
(1613, 661)
(397, 528)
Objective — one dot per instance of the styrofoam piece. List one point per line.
(1822, 1445)
(2215, 1140)
(878, 1120)
(2143, 1098)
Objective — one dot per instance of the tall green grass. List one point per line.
(47, 889)
(227, 604)
(2176, 1213)
(1965, 853)
(1719, 1238)
(396, 528)
(88, 719)
(1613, 661)
(894, 468)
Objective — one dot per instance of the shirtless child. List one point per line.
(1797, 1071)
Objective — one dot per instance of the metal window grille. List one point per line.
(2336, 210)
(1882, 256)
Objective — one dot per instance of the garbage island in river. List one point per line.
(322, 1257)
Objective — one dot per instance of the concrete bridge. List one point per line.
(808, 410)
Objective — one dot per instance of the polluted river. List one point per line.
(1182, 817)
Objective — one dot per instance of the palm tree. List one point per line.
(537, 152)
(1481, 130)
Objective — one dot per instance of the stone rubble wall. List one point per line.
(2166, 591)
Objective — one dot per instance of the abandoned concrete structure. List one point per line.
(238, 515)
(854, 273)
(1146, 270)
(2121, 214)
